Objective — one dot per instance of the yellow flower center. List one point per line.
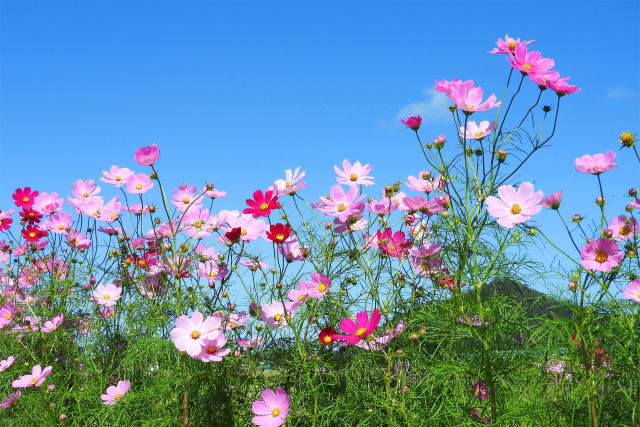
(360, 332)
(527, 67)
(264, 207)
(118, 395)
(322, 287)
(25, 200)
(32, 234)
(601, 256)
(8, 316)
(275, 412)
(287, 184)
(327, 339)
(213, 274)
(341, 207)
(278, 317)
(195, 335)
(212, 349)
(279, 236)
(138, 186)
(118, 178)
(243, 232)
(34, 380)
(478, 134)
(185, 200)
(470, 107)
(516, 209)
(391, 247)
(85, 194)
(114, 215)
(624, 230)
(301, 297)
(511, 45)
(60, 227)
(106, 297)
(353, 177)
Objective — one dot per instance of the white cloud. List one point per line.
(619, 92)
(434, 108)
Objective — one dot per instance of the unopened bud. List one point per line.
(414, 337)
(439, 142)
(501, 156)
(628, 208)
(633, 192)
(627, 139)
(607, 232)
(576, 218)
(278, 285)
(225, 294)
(453, 108)
(546, 108)
(600, 201)
(572, 286)
(445, 214)
(399, 352)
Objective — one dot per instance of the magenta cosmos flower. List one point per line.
(146, 156)
(623, 228)
(561, 87)
(37, 377)
(6, 314)
(413, 122)
(529, 62)
(361, 328)
(272, 410)
(107, 295)
(632, 291)
(600, 255)
(514, 207)
(475, 131)
(509, 44)
(353, 174)
(552, 201)
(469, 99)
(262, 204)
(115, 392)
(597, 163)
(318, 286)
(190, 333)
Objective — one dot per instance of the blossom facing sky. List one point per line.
(107, 295)
(147, 156)
(514, 207)
(601, 255)
(272, 410)
(353, 174)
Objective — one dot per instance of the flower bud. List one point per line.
(278, 285)
(399, 352)
(600, 201)
(576, 218)
(532, 231)
(414, 337)
(62, 417)
(259, 326)
(237, 353)
(51, 387)
(608, 233)
(627, 139)
(445, 214)
(572, 286)
(546, 108)
(225, 294)
(439, 142)
(453, 108)
(628, 208)
(633, 192)
(501, 155)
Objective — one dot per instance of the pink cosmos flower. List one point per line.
(235, 320)
(600, 255)
(37, 377)
(597, 163)
(529, 62)
(184, 197)
(353, 174)
(371, 343)
(84, 189)
(78, 240)
(514, 207)
(552, 201)
(509, 44)
(448, 87)
(542, 79)
(190, 333)
(212, 350)
(393, 244)
(632, 291)
(359, 329)
(382, 207)
(9, 401)
(117, 176)
(107, 295)
(7, 314)
(340, 204)
(420, 204)
(623, 228)
(413, 122)
(298, 296)
(6, 364)
(252, 342)
(147, 156)
(425, 259)
(561, 87)
(250, 228)
(198, 223)
(469, 99)
(47, 203)
(212, 192)
(253, 265)
(425, 182)
(60, 223)
(52, 325)
(212, 270)
(115, 392)
(318, 286)
(291, 183)
(272, 410)
(139, 184)
(478, 132)
(275, 315)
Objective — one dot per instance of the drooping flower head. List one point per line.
(9, 401)
(561, 87)
(272, 410)
(115, 392)
(600, 255)
(292, 182)
(553, 200)
(147, 156)
(262, 204)
(597, 163)
(37, 377)
(413, 122)
(361, 328)
(514, 207)
(6, 364)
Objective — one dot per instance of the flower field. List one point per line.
(133, 300)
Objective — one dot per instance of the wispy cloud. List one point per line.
(434, 107)
(619, 92)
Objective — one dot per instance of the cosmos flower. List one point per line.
(361, 328)
(514, 207)
(600, 255)
(272, 410)
(115, 392)
(597, 163)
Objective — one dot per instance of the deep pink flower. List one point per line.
(514, 207)
(632, 291)
(359, 329)
(597, 163)
(509, 44)
(561, 87)
(529, 62)
(115, 392)
(107, 295)
(262, 204)
(542, 79)
(37, 377)
(413, 122)
(393, 244)
(469, 99)
(600, 255)
(552, 201)
(190, 333)
(212, 350)
(24, 197)
(147, 156)
(480, 391)
(78, 240)
(5, 219)
(272, 410)
(353, 174)
(478, 132)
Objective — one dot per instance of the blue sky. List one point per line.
(236, 92)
